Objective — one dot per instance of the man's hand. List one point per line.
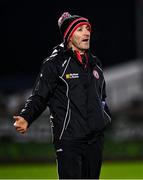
(21, 125)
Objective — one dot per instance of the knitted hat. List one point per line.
(69, 23)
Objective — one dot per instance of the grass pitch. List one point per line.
(110, 170)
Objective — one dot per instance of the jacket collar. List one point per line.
(92, 60)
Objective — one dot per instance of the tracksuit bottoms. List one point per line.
(80, 159)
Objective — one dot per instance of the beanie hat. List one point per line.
(69, 23)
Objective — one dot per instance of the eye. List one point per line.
(88, 28)
(79, 29)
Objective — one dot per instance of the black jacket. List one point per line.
(75, 95)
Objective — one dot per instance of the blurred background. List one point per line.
(28, 32)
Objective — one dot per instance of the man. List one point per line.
(72, 84)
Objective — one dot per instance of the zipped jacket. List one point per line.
(75, 95)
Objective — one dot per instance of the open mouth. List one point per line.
(85, 40)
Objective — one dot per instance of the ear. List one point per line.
(69, 44)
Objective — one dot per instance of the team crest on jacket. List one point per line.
(95, 73)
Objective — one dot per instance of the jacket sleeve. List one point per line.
(103, 95)
(44, 87)
(104, 104)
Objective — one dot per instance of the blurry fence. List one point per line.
(124, 84)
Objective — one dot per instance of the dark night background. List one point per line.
(29, 31)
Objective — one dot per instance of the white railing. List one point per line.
(124, 84)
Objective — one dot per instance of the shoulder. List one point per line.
(56, 55)
(53, 63)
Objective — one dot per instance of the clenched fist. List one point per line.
(21, 125)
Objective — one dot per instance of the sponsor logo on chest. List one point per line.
(72, 76)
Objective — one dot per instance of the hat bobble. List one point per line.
(63, 17)
(69, 23)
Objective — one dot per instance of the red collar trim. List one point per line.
(79, 57)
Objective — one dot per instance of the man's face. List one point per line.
(80, 39)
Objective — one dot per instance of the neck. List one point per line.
(81, 52)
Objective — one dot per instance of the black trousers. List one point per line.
(79, 159)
